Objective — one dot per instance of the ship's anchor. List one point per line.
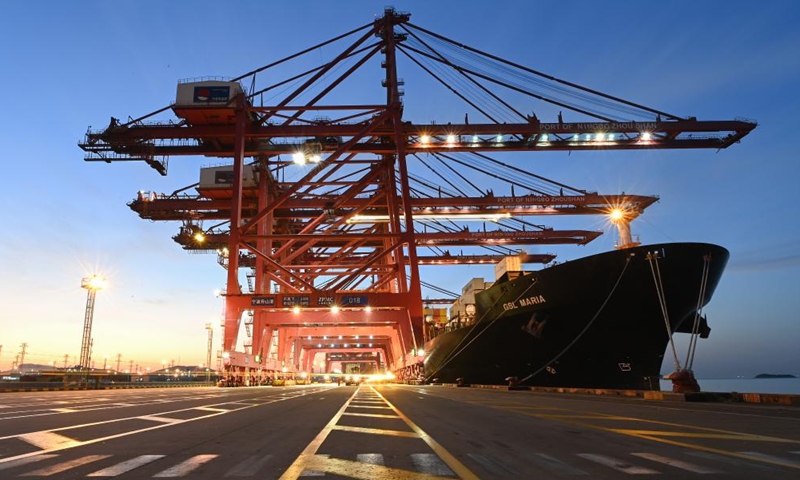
(683, 379)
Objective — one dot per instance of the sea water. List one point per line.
(745, 385)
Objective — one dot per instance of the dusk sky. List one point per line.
(70, 65)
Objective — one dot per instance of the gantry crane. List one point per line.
(336, 248)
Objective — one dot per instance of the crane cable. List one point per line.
(697, 313)
(653, 259)
(586, 328)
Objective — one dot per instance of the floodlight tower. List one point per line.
(92, 285)
(210, 328)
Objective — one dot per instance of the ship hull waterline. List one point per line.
(594, 322)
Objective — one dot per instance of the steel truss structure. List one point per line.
(335, 252)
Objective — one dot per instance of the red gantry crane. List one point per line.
(327, 204)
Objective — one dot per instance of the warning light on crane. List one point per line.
(615, 215)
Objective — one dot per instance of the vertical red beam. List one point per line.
(232, 313)
(414, 298)
(262, 282)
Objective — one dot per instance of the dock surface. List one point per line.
(388, 432)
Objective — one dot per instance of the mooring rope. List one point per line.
(696, 326)
(663, 302)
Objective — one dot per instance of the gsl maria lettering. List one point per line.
(524, 302)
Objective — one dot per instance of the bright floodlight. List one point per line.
(645, 136)
(451, 139)
(424, 139)
(296, 309)
(299, 158)
(95, 282)
(335, 309)
(199, 237)
(615, 215)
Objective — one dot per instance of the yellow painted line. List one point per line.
(595, 417)
(373, 415)
(659, 436)
(370, 406)
(309, 453)
(375, 431)
(364, 471)
(457, 467)
(744, 456)
(728, 436)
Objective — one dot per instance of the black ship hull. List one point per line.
(595, 322)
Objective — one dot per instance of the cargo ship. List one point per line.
(602, 321)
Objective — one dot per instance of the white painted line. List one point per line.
(188, 466)
(773, 459)
(735, 462)
(24, 461)
(48, 440)
(676, 463)
(63, 410)
(431, 464)
(126, 466)
(249, 467)
(371, 458)
(617, 464)
(556, 465)
(64, 466)
(154, 418)
(211, 409)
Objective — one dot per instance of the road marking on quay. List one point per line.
(617, 464)
(64, 466)
(309, 460)
(126, 466)
(49, 441)
(427, 465)
(186, 467)
(676, 463)
(659, 436)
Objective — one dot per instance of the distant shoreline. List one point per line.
(774, 375)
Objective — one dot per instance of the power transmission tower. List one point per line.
(22, 354)
(119, 357)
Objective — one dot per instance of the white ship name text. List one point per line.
(524, 302)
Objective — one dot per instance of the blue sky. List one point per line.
(70, 65)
